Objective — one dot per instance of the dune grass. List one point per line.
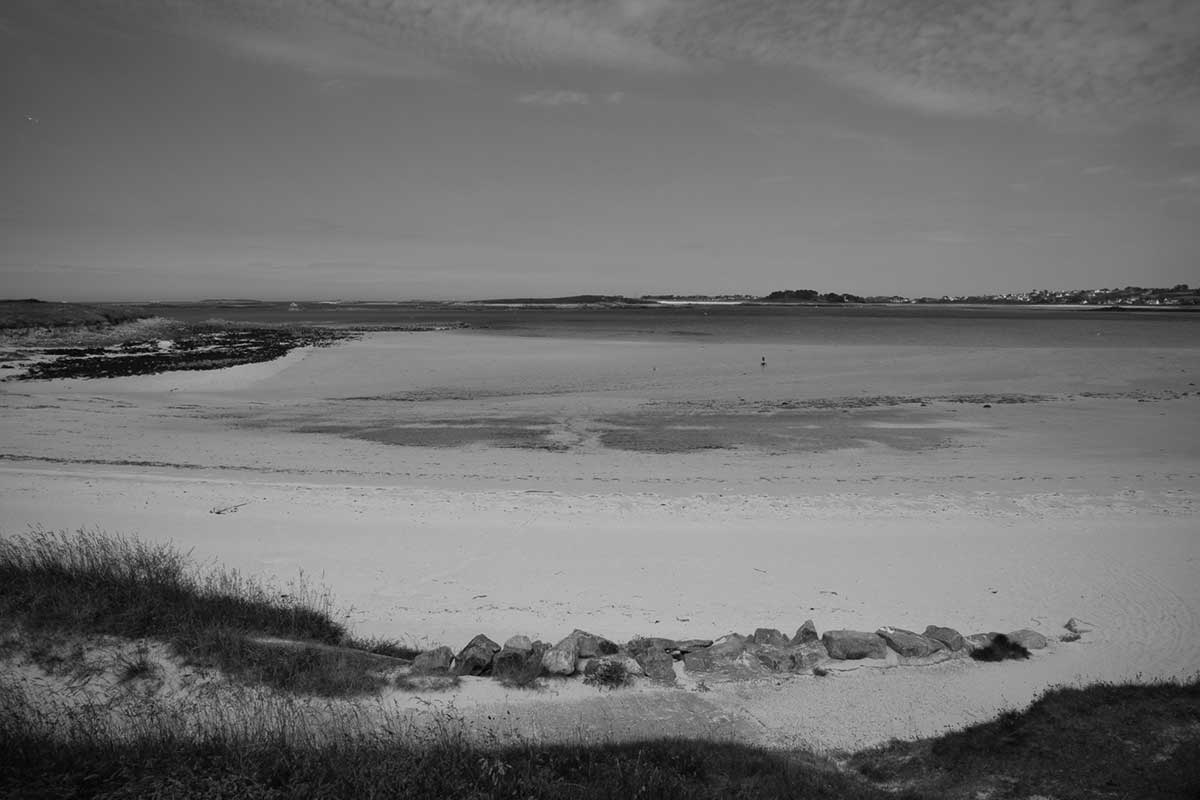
(93, 583)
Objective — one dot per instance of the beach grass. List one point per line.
(299, 737)
(93, 583)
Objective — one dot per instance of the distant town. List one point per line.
(1178, 295)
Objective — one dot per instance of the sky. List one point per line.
(437, 149)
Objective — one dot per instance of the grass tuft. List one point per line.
(95, 583)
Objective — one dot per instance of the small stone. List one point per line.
(523, 643)
(1069, 637)
(806, 633)
(947, 636)
(1030, 640)
(1078, 626)
(853, 645)
(769, 636)
(432, 662)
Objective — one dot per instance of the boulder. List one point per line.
(1030, 640)
(476, 657)
(432, 662)
(685, 646)
(629, 664)
(790, 658)
(769, 636)
(947, 636)
(557, 661)
(909, 644)
(643, 644)
(852, 645)
(808, 655)
(561, 659)
(512, 665)
(659, 665)
(523, 643)
(717, 657)
(1078, 626)
(806, 633)
(589, 645)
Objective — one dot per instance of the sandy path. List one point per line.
(1013, 516)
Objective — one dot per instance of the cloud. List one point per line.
(558, 98)
(1105, 62)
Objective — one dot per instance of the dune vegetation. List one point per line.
(254, 733)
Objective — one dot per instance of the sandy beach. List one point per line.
(448, 483)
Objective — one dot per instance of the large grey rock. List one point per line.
(719, 656)
(685, 646)
(476, 657)
(791, 658)
(517, 666)
(643, 644)
(561, 659)
(518, 643)
(769, 636)
(909, 644)
(1029, 639)
(432, 662)
(947, 636)
(589, 645)
(806, 633)
(853, 645)
(658, 664)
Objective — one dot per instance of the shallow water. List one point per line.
(929, 325)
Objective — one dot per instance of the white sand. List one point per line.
(1028, 515)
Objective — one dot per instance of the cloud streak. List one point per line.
(1109, 61)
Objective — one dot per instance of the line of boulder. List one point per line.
(521, 660)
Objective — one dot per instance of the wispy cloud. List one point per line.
(556, 98)
(1108, 62)
(563, 97)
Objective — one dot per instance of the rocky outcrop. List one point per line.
(433, 662)
(909, 644)
(852, 645)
